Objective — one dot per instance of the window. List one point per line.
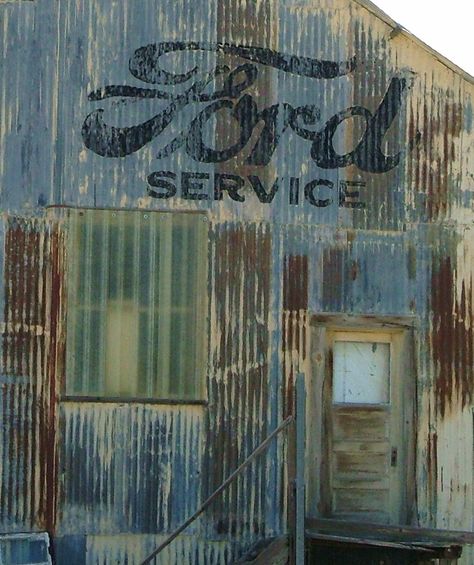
(24, 549)
(361, 372)
(136, 304)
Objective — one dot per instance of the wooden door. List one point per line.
(362, 471)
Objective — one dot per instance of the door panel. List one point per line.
(360, 472)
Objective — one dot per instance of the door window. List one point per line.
(361, 372)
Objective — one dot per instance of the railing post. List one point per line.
(300, 420)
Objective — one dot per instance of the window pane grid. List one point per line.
(136, 314)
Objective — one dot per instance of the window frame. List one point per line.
(65, 213)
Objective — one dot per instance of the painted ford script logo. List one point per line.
(110, 141)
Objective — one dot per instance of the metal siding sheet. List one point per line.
(133, 548)
(89, 59)
(388, 205)
(27, 105)
(96, 42)
(239, 404)
(29, 362)
(452, 338)
(135, 468)
(130, 549)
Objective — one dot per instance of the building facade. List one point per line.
(200, 200)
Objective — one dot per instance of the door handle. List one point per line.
(394, 457)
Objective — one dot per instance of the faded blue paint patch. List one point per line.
(130, 461)
(70, 550)
(274, 458)
(27, 80)
(185, 479)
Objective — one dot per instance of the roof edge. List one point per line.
(376, 11)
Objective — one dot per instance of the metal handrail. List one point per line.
(220, 489)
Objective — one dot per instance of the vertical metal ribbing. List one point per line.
(300, 460)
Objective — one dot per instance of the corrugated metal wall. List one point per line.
(33, 280)
(90, 471)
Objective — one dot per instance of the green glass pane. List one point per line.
(152, 265)
(114, 263)
(95, 365)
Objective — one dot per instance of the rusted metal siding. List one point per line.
(112, 479)
(452, 338)
(33, 277)
(294, 344)
(242, 387)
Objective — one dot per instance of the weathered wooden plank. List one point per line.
(392, 532)
(428, 550)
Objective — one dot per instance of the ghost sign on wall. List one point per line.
(117, 142)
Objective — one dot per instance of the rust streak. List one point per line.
(294, 320)
(452, 339)
(238, 387)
